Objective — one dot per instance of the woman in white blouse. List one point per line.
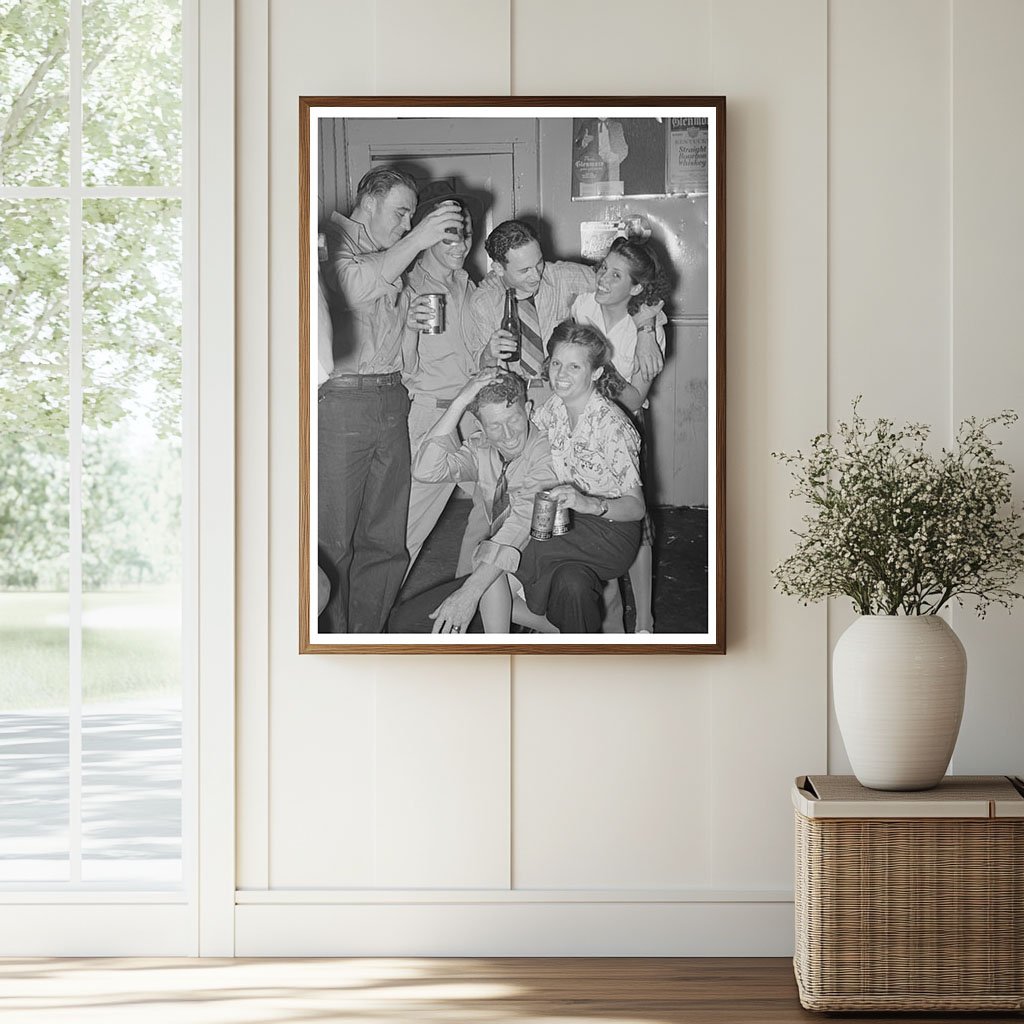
(627, 279)
(596, 453)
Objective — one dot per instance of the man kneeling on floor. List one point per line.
(508, 464)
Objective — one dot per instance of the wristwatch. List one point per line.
(604, 507)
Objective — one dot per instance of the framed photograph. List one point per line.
(512, 375)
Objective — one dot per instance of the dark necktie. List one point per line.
(500, 505)
(531, 355)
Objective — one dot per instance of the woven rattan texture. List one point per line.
(959, 787)
(914, 914)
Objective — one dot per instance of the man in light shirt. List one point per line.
(506, 464)
(437, 366)
(363, 470)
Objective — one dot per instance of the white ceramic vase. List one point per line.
(898, 684)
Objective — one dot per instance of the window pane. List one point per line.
(34, 92)
(33, 540)
(131, 92)
(131, 541)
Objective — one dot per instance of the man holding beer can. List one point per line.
(363, 464)
(505, 465)
(440, 354)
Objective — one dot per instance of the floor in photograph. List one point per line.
(416, 991)
(680, 573)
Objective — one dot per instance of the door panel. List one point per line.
(476, 156)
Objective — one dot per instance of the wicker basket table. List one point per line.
(910, 901)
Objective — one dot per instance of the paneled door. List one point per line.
(491, 166)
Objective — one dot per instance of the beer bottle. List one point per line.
(510, 323)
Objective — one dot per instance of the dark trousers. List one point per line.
(413, 616)
(363, 477)
(564, 577)
(575, 599)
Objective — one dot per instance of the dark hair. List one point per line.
(381, 180)
(599, 354)
(508, 389)
(509, 235)
(643, 270)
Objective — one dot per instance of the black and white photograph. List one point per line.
(512, 398)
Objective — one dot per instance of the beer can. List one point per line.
(436, 323)
(563, 523)
(545, 511)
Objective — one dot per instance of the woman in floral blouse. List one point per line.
(596, 453)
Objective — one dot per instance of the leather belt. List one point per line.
(364, 380)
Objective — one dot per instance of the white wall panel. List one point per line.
(657, 773)
(987, 366)
(322, 775)
(320, 810)
(252, 193)
(889, 249)
(444, 47)
(442, 774)
(612, 785)
(889, 208)
(579, 48)
(769, 693)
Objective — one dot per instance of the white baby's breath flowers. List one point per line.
(897, 529)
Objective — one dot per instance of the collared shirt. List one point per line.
(587, 310)
(559, 286)
(369, 313)
(439, 365)
(443, 459)
(601, 456)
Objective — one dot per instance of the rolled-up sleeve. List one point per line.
(443, 460)
(503, 556)
(358, 277)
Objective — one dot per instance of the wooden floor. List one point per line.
(414, 991)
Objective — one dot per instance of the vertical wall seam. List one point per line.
(950, 239)
(511, 703)
(828, 340)
(950, 301)
(266, 737)
(511, 53)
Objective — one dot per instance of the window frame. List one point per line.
(75, 918)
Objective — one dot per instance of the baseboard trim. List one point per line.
(347, 897)
(507, 928)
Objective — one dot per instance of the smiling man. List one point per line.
(508, 464)
(545, 292)
(362, 408)
(437, 366)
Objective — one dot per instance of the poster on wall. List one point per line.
(687, 169)
(618, 157)
(511, 423)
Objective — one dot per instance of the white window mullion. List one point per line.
(75, 297)
(95, 191)
(190, 452)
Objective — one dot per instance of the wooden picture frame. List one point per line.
(561, 166)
